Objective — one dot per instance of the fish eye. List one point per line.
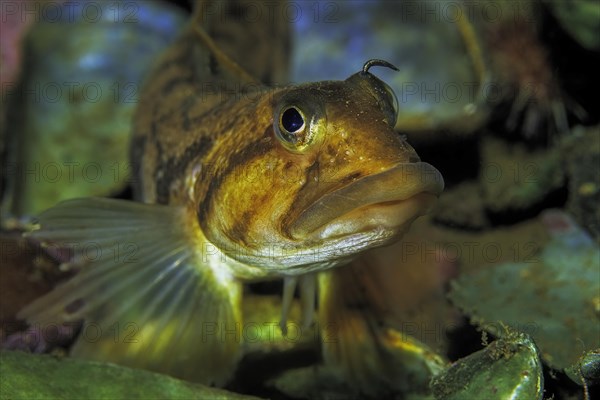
(292, 128)
(299, 119)
(291, 121)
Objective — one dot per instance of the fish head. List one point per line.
(328, 178)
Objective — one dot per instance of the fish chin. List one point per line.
(384, 203)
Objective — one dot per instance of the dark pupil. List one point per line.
(291, 120)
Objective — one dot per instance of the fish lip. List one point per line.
(387, 220)
(399, 186)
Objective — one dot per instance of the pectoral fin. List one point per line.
(351, 343)
(360, 342)
(148, 295)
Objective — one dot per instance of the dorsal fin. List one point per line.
(223, 59)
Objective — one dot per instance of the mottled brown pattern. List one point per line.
(181, 89)
(212, 144)
(174, 165)
(173, 104)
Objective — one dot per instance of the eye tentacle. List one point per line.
(377, 63)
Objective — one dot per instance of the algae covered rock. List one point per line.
(554, 297)
(513, 178)
(582, 158)
(462, 206)
(587, 370)
(507, 368)
(26, 376)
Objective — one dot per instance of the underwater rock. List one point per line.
(462, 207)
(321, 383)
(513, 178)
(554, 297)
(70, 114)
(26, 376)
(582, 158)
(508, 368)
(314, 382)
(587, 369)
(581, 19)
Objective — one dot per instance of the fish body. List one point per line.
(237, 182)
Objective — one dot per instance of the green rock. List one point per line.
(508, 368)
(462, 206)
(513, 178)
(581, 154)
(27, 376)
(554, 298)
(322, 383)
(587, 370)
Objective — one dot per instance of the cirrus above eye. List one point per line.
(291, 120)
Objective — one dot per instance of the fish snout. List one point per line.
(388, 200)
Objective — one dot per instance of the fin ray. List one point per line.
(87, 281)
(289, 286)
(171, 310)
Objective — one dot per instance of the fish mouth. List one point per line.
(386, 202)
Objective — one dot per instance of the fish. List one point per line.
(236, 182)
